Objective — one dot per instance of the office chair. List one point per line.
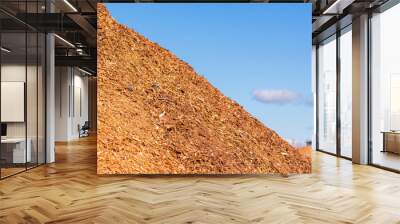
(84, 130)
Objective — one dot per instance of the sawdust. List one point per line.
(157, 116)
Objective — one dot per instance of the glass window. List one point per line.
(327, 95)
(346, 92)
(385, 88)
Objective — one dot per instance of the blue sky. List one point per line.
(257, 54)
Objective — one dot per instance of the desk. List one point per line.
(391, 141)
(15, 148)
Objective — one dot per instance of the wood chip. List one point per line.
(177, 121)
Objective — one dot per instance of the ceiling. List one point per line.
(74, 22)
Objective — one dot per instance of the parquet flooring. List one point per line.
(10, 171)
(70, 191)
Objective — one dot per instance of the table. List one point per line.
(15, 148)
(391, 141)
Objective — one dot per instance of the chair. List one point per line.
(84, 130)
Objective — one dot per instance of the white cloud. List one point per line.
(276, 96)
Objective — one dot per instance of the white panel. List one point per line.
(12, 101)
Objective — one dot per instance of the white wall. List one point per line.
(16, 72)
(62, 82)
(70, 83)
(80, 84)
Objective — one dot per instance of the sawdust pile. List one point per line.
(157, 116)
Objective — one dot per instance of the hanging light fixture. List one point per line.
(5, 50)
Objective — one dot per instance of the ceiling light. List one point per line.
(333, 6)
(84, 71)
(70, 5)
(5, 50)
(79, 51)
(65, 41)
(338, 6)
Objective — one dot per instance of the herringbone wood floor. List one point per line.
(69, 191)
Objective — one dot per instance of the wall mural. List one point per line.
(156, 115)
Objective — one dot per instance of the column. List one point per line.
(360, 90)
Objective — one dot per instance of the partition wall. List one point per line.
(23, 86)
